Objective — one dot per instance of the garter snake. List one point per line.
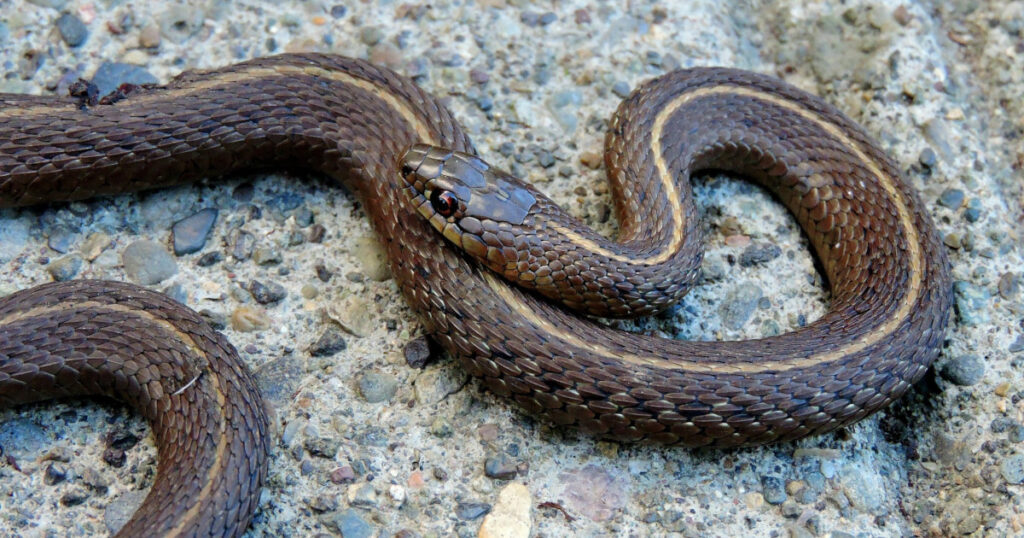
(888, 273)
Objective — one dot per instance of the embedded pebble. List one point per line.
(15, 234)
(148, 262)
(352, 314)
(1012, 469)
(65, 267)
(417, 352)
(500, 466)
(72, 30)
(964, 370)
(190, 233)
(951, 198)
(376, 387)
(471, 510)
(773, 489)
(268, 292)
(739, 304)
(758, 254)
(94, 245)
(330, 342)
(351, 524)
(110, 75)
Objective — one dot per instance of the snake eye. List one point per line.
(444, 202)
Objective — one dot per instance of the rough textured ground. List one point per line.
(369, 446)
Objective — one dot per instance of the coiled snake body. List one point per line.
(353, 121)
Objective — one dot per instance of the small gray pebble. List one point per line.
(54, 474)
(60, 239)
(1018, 345)
(110, 75)
(501, 467)
(147, 262)
(621, 89)
(974, 210)
(1016, 434)
(371, 35)
(72, 30)
(471, 511)
(739, 305)
(951, 198)
(190, 233)
(338, 11)
(352, 525)
(65, 268)
(927, 158)
(1012, 469)
(376, 387)
(964, 370)
(548, 18)
(773, 489)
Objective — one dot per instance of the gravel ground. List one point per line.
(367, 445)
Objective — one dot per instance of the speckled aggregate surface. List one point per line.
(367, 445)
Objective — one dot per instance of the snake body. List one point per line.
(353, 121)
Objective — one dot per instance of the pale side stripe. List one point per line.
(247, 75)
(891, 324)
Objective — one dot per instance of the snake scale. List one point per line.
(888, 273)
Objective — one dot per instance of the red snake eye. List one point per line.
(444, 202)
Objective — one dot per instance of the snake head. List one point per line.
(472, 204)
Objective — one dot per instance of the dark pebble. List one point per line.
(1018, 345)
(485, 103)
(951, 198)
(190, 233)
(73, 498)
(773, 489)
(758, 254)
(110, 75)
(330, 342)
(306, 468)
(209, 259)
(72, 30)
(323, 273)
(501, 467)
(417, 352)
(471, 511)
(548, 18)
(243, 193)
(54, 474)
(269, 293)
(114, 457)
(338, 11)
(964, 370)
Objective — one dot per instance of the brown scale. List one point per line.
(354, 122)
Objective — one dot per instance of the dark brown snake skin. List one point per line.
(888, 274)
